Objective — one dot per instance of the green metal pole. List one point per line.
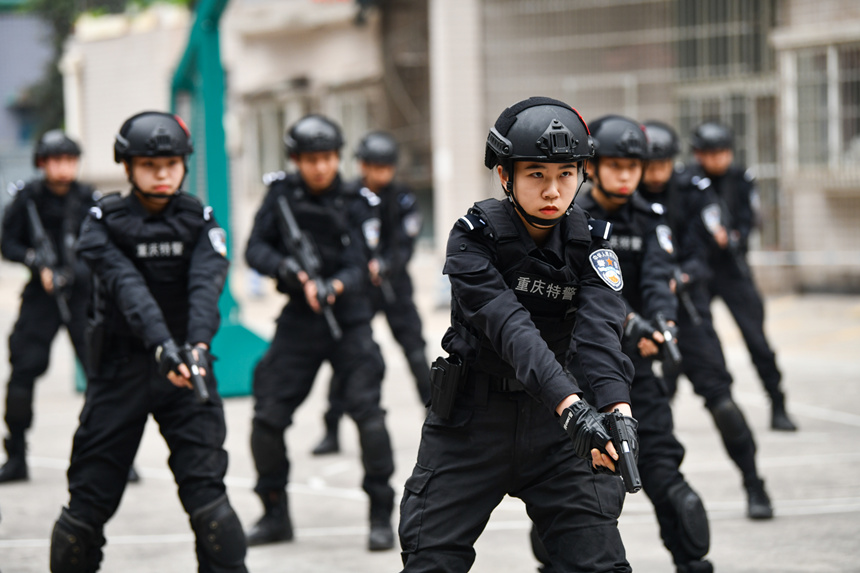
(201, 74)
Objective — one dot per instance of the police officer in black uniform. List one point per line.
(394, 238)
(703, 360)
(158, 263)
(526, 277)
(645, 251)
(304, 338)
(59, 203)
(731, 217)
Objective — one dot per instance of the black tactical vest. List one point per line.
(160, 246)
(545, 282)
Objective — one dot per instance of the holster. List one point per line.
(446, 379)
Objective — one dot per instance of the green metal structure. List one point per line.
(199, 83)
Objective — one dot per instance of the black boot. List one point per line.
(698, 566)
(758, 502)
(133, 476)
(275, 525)
(330, 443)
(15, 468)
(779, 419)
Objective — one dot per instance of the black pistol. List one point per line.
(621, 439)
(197, 380)
(670, 347)
(681, 289)
(300, 246)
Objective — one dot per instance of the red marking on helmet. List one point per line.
(182, 125)
(588, 131)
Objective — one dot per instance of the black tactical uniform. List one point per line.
(157, 280)
(303, 340)
(730, 203)
(643, 243)
(516, 306)
(703, 361)
(392, 243)
(40, 317)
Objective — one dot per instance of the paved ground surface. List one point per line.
(812, 475)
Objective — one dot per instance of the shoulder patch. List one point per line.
(371, 229)
(412, 224)
(218, 239)
(658, 208)
(271, 177)
(372, 198)
(664, 237)
(600, 229)
(712, 217)
(472, 222)
(605, 263)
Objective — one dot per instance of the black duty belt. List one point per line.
(494, 383)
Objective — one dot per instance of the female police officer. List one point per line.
(158, 261)
(526, 275)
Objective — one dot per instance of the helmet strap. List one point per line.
(538, 222)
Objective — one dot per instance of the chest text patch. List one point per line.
(160, 249)
(605, 262)
(540, 287)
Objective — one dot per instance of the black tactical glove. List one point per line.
(168, 357)
(585, 427)
(288, 272)
(637, 328)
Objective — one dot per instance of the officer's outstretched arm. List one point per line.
(206, 277)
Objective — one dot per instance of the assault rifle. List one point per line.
(621, 439)
(47, 258)
(197, 380)
(681, 290)
(301, 247)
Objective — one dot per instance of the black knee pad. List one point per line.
(268, 448)
(730, 421)
(220, 538)
(376, 447)
(76, 547)
(693, 529)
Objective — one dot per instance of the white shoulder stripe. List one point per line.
(468, 222)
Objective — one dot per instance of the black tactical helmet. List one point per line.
(313, 133)
(152, 134)
(711, 136)
(617, 136)
(54, 143)
(538, 129)
(377, 147)
(662, 140)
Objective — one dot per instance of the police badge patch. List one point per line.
(606, 264)
(218, 238)
(412, 224)
(664, 237)
(371, 230)
(712, 217)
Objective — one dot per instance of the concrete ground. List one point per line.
(812, 475)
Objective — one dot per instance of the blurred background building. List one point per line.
(785, 74)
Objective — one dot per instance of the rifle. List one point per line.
(197, 380)
(684, 296)
(300, 246)
(47, 258)
(626, 460)
(670, 347)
